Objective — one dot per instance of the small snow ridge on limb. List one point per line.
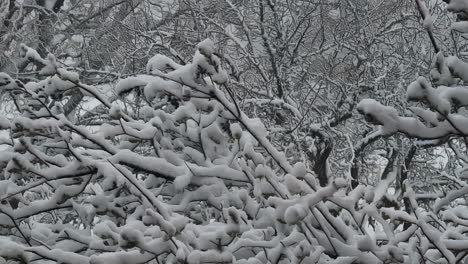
(213, 66)
(6, 82)
(161, 64)
(376, 113)
(126, 85)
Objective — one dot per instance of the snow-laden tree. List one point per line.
(174, 166)
(188, 178)
(299, 66)
(435, 202)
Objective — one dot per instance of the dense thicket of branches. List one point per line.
(299, 66)
(227, 131)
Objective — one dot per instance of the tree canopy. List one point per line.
(266, 131)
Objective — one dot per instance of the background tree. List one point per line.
(299, 66)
